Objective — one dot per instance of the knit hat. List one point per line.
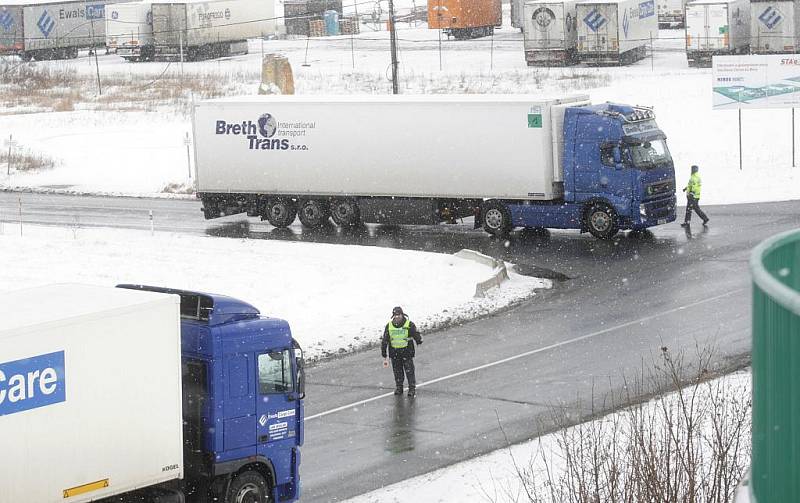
(398, 310)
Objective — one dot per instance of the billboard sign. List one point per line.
(756, 81)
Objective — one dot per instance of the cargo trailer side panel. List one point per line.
(638, 24)
(465, 148)
(550, 26)
(774, 27)
(228, 20)
(169, 24)
(11, 29)
(68, 24)
(104, 416)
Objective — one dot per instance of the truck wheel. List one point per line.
(601, 220)
(280, 212)
(248, 487)
(495, 218)
(313, 213)
(345, 212)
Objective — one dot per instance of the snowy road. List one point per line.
(623, 301)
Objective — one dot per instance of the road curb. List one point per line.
(499, 272)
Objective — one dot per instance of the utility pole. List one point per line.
(393, 40)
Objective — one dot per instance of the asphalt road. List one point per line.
(614, 306)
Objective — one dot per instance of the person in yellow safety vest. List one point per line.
(399, 337)
(692, 190)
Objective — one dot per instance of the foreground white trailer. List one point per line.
(774, 27)
(550, 32)
(615, 32)
(50, 30)
(209, 28)
(671, 13)
(129, 30)
(90, 393)
(716, 27)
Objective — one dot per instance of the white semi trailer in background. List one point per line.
(774, 27)
(508, 161)
(550, 32)
(129, 30)
(49, 29)
(615, 32)
(671, 13)
(716, 28)
(201, 29)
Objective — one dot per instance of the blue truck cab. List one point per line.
(617, 174)
(243, 390)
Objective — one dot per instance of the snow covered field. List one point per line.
(311, 285)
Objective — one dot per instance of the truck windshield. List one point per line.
(649, 154)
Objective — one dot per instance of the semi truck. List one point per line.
(202, 29)
(44, 30)
(716, 28)
(671, 13)
(774, 27)
(146, 394)
(129, 31)
(463, 19)
(550, 32)
(509, 161)
(615, 32)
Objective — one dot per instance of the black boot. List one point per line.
(412, 391)
(398, 390)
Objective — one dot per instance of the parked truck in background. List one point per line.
(146, 394)
(615, 32)
(129, 31)
(774, 27)
(509, 161)
(204, 29)
(465, 19)
(716, 28)
(550, 32)
(671, 13)
(44, 30)
(517, 14)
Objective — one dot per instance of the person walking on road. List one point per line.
(399, 337)
(692, 190)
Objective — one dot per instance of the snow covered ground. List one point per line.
(311, 285)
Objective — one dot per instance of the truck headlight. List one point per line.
(642, 210)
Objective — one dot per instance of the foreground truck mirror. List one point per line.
(301, 371)
(617, 158)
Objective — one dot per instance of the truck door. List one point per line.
(601, 28)
(276, 412)
(596, 174)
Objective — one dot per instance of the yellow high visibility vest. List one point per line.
(398, 336)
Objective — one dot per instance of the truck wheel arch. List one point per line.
(228, 472)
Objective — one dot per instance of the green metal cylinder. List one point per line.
(775, 466)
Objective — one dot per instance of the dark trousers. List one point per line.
(401, 364)
(693, 204)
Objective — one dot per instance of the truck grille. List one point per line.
(660, 188)
(660, 208)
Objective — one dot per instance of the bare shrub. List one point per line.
(692, 445)
(26, 161)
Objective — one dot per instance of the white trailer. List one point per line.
(550, 32)
(671, 13)
(518, 15)
(129, 30)
(716, 27)
(209, 28)
(90, 393)
(51, 30)
(774, 27)
(615, 32)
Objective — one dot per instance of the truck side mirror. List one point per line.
(617, 158)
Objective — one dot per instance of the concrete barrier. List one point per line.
(499, 272)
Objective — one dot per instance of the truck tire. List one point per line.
(313, 213)
(495, 218)
(345, 212)
(248, 487)
(280, 212)
(601, 220)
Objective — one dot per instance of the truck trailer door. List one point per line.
(276, 412)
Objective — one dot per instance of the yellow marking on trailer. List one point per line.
(85, 488)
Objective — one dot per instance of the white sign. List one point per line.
(766, 81)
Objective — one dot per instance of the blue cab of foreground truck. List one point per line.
(243, 390)
(617, 174)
